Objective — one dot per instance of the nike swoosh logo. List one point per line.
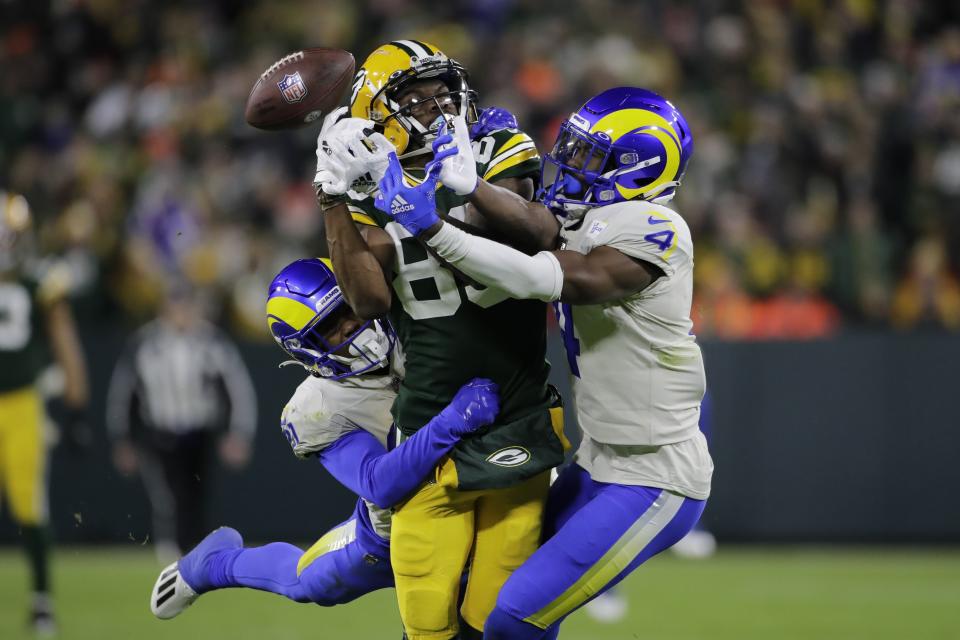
(652, 220)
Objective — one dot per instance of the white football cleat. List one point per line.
(171, 594)
(609, 607)
(697, 544)
(182, 582)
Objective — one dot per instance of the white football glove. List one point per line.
(337, 167)
(459, 171)
(372, 151)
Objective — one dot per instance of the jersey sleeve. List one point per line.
(647, 234)
(507, 153)
(309, 421)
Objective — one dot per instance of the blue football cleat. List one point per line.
(181, 583)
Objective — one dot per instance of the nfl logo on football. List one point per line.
(292, 87)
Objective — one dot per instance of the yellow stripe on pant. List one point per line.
(23, 455)
(613, 562)
(336, 538)
(432, 536)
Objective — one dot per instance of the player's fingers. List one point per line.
(460, 127)
(339, 150)
(394, 170)
(323, 177)
(330, 119)
(443, 142)
(445, 153)
(357, 146)
(388, 185)
(393, 164)
(338, 185)
(433, 169)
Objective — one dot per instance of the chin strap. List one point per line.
(286, 363)
(666, 197)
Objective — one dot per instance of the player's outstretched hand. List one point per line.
(339, 164)
(413, 207)
(492, 119)
(475, 405)
(458, 169)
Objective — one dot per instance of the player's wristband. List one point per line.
(327, 201)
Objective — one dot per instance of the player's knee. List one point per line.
(521, 540)
(503, 625)
(412, 553)
(320, 585)
(325, 593)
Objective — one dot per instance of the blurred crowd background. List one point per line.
(824, 192)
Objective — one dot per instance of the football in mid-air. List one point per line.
(300, 88)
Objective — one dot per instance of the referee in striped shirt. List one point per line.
(179, 392)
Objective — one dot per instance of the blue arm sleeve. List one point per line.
(361, 464)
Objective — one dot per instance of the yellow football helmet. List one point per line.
(394, 66)
(15, 222)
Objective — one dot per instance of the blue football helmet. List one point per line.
(303, 304)
(623, 144)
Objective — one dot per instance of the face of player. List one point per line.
(419, 97)
(580, 156)
(342, 324)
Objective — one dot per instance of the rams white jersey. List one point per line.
(321, 411)
(638, 375)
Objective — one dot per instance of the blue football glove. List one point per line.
(492, 119)
(475, 405)
(413, 207)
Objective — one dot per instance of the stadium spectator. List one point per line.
(825, 129)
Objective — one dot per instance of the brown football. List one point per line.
(300, 88)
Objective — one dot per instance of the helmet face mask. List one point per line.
(306, 312)
(365, 349)
(623, 144)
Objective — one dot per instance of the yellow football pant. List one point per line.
(431, 539)
(23, 455)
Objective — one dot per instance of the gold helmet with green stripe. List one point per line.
(15, 222)
(382, 93)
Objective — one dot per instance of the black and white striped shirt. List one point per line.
(176, 382)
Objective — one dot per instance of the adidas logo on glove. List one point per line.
(401, 208)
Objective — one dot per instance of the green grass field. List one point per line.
(742, 593)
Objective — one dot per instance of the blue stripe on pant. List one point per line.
(340, 575)
(598, 533)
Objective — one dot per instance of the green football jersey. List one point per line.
(22, 339)
(452, 330)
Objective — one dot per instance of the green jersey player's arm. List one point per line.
(505, 190)
(64, 343)
(603, 275)
(362, 256)
(509, 210)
